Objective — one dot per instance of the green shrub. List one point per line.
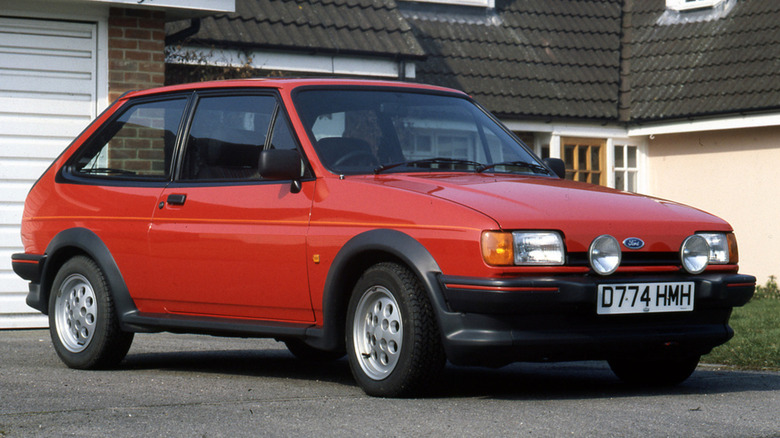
(768, 291)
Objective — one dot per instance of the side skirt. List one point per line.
(150, 323)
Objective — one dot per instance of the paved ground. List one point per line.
(193, 386)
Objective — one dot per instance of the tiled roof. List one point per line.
(727, 64)
(365, 27)
(599, 60)
(531, 58)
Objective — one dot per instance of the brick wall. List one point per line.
(136, 61)
(136, 50)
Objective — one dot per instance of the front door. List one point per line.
(225, 242)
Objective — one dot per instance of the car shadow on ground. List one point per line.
(521, 381)
(592, 380)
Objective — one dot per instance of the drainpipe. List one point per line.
(184, 33)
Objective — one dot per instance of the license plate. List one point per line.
(645, 298)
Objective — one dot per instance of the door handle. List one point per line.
(176, 199)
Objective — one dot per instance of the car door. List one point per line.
(224, 241)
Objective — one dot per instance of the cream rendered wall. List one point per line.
(732, 174)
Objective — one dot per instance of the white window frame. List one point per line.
(684, 5)
(642, 183)
(479, 3)
(641, 161)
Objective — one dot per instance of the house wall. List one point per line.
(729, 173)
(136, 50)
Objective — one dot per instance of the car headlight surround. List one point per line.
(523, 248)
(723, 248)
(604, 254)
(695, 254)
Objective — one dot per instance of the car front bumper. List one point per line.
(498, 321)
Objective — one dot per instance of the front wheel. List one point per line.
(82, 320)
(654, 371)
(393, 341)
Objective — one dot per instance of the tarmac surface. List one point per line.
(203, 386)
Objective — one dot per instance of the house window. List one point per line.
(684, 5)
(480, 3)
(626, 167)
(585, 159)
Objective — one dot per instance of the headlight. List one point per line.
(723, 248)
(695, 254)
(522, 248)
(604, 254)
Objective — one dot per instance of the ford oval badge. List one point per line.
(634, 243)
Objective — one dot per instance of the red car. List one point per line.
(400, 224)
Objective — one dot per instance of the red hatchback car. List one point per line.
(400, 224)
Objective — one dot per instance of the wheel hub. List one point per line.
(378, 332)
(75, 313)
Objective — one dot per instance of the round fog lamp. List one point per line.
(695, 254)
(604, 254)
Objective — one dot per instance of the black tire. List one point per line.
(393, 341)
(304, 351)
(83, 322)
(654, 371)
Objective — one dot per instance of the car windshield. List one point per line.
(382, 131)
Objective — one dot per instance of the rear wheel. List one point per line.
(393, 342)
(654, 371)
(82, 320)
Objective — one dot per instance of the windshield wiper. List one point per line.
(437, 160)
(519, 163)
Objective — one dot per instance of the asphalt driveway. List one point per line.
(188, 385)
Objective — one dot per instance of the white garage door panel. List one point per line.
(11, 214)
(9, 277)
(35, 127)
(63, 88)
(30, 27)
(13, 303)
(16, 105)
(9, 238)
(22, 170)
(58, 64)
(33, 147)
(48, 95)
(52, 45)
(14, 191)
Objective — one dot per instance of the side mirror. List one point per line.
(281, 164)
(557, 166)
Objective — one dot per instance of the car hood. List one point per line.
(581, 211)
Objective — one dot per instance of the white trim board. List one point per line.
(676, 127)
(266, 60)
(739, 122)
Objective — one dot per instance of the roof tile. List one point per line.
(542, 58)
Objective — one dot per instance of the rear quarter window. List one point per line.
(139, 143)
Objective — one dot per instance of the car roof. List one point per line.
(288, 83)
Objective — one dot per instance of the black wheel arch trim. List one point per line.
(81, 240)
(354, 257)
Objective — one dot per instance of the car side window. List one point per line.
(226, 137)
(138, 144)
(282, 137)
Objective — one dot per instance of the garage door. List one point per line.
(48, 94)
